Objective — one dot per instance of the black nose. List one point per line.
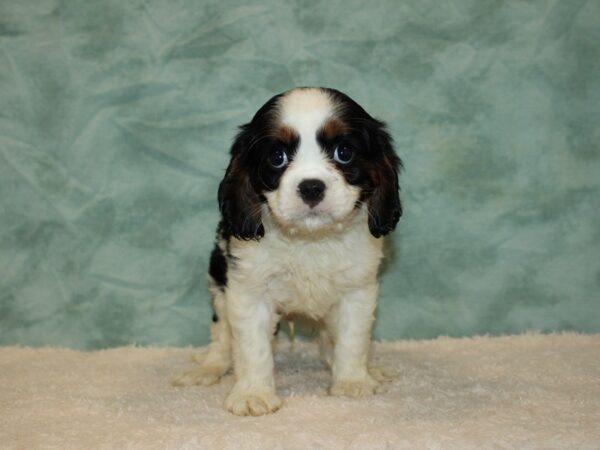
(311, 191)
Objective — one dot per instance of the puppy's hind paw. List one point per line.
(204, 376)
(382, 374)
(200, 356)
(253, 403)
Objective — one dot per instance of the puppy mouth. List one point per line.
(313, 213)
(312, 219)
(298, 216)
(318, 211)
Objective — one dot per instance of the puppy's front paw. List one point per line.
(253, 403)
(204, 376)
(356, 388)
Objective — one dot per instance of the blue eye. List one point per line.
(278, 158)
(343, 154)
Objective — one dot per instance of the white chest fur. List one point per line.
(305, 274)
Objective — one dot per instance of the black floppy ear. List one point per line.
(384, 203)
(239, 203)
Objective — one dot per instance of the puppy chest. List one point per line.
(309, 281)
(305, 277)
(294, 290)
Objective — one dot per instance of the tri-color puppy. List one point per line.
(311, 188)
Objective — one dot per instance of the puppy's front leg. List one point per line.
(250, 319)
(352, 328)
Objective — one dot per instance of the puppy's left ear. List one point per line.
(384, 204)
(239, 203)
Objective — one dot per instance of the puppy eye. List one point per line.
(278, 158)
(343, 154)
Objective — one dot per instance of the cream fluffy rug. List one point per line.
(527, 391)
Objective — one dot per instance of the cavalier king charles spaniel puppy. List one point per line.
(311, 189)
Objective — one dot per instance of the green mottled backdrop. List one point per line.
(115, 122)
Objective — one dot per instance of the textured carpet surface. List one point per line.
(526, 391)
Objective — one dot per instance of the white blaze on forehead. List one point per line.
(305, 110)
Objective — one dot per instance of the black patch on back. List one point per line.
(217, 268)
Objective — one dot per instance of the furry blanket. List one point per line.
(530, 391)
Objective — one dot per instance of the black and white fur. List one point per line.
(311, 188)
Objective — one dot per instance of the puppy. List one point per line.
(311, 188)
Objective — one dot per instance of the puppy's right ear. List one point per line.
(239, 202)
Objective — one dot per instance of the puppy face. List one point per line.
(312, 156)
(309, 156)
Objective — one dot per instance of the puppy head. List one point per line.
(313, 156)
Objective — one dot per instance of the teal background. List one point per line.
(116, 118)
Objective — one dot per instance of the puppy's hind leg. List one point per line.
(217, 360)
(326, 345)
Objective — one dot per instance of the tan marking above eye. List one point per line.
(285, 134)
(332, 128)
